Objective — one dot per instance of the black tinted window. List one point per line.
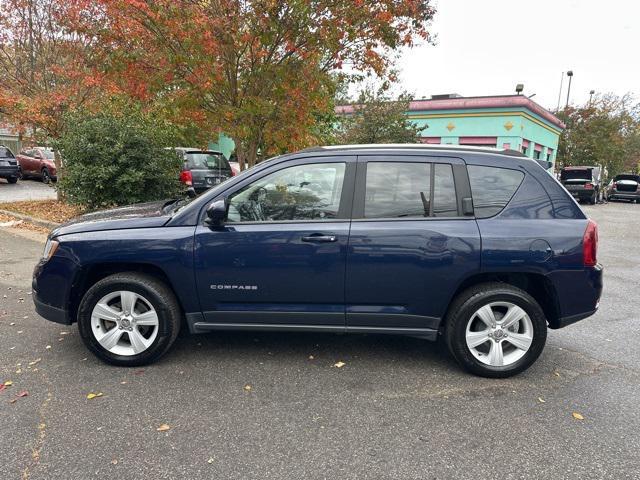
(492, 188)
(206, 161)
(5, 153)
(445, 203)
(396, 189)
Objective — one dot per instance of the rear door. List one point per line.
(410, 244)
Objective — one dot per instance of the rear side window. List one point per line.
(405, 190)
(492, 188)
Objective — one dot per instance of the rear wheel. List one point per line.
(593, 198)
(46, 178)
(129, 319)
(495, 330)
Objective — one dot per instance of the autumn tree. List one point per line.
(259, 71)
(42, 68)
(605, 131)
(377, 118)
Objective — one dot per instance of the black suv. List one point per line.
(584, 183)
(9, 167)
(203, 169)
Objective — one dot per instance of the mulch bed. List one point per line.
(51, 210)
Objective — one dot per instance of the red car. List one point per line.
(37, 162)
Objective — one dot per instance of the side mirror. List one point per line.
(216, 213)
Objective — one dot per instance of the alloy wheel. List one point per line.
(124, 323)
(499, 334)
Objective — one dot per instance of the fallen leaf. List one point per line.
(114, 461)
(211, 460)
(139, 372)
(12, 323)
(310, 357)
(48, 347)
(541, 400)
(557, 374)
(339, 364)
(123, 382)
(36, 361)
(91, 396)
(8, 383)
(2, 387)
(64, 333)
(163, 428)
(23, 393)
(577, 416)
(247, 388)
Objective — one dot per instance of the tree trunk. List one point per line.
(57, 160)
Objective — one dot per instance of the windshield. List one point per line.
(206, 160)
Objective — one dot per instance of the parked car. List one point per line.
(38, 162)
(9, 168)
(584, 183)
(480, 247)
(203, 169)
(624, 187)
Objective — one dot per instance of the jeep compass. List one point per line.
(478, 246)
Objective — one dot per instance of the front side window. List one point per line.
(399, 189)
(303, 192)
(492, 188)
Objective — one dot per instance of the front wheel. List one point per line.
(129, 319)
(495, 330)
(46, 177)
(12, 179)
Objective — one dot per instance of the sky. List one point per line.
(487, 47)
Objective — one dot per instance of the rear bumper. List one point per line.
(624, 195)
(579, 294)
(9, 171)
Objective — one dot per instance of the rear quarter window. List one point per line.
(492, 188)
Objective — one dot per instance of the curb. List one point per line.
(27, 218)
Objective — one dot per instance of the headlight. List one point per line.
(49, 249)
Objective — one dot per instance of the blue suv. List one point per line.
(482, 247)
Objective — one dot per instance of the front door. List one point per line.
(280, 256)
(410, 244)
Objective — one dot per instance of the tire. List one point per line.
(46, 178)
(462, 321)
(148, 292)
(12, 179)
(593, 198)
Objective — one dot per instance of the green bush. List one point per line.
(117, 159)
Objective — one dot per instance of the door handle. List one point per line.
(319, 238)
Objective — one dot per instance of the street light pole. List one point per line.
(591, 96)
(560, 91)
(570, 75)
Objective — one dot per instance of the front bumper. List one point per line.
(49, 312)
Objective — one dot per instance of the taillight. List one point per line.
(588, 186)
(615, 186)
(590, 244)
(186, 177)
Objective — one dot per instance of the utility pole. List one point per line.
(570, 75)
(591, 96)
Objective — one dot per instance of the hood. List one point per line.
(140, 215)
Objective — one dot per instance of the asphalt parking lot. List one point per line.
(399, 408)
(26, 190)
